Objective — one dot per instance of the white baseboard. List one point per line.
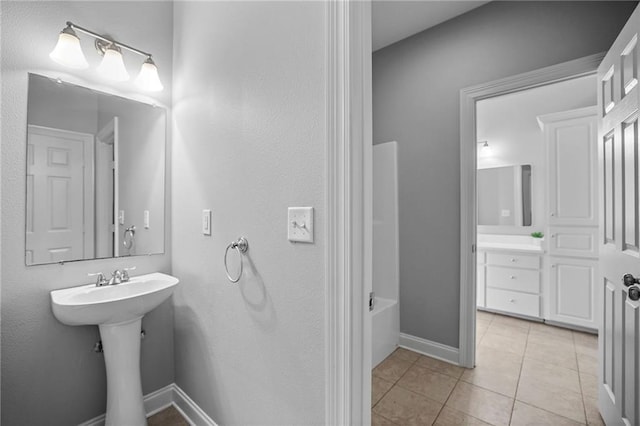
(162, 398)
(429, 348)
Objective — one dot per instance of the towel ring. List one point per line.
(241, 246)
(132, 232)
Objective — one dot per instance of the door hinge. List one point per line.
(372, 296)
(473, 248)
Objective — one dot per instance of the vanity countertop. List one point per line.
(526, 248)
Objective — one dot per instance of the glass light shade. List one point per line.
(148, 78)
(112, 66)
(485, 150)
(68, 51)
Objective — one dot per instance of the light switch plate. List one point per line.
(121, 217)
(206, 222)
(300, 224)
(146, 219)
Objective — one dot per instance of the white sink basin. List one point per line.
(118, 311)
(91, 305)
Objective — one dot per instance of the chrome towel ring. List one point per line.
(241, 246)
(131, 233)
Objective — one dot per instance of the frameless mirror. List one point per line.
(95, 174)
(504, 196)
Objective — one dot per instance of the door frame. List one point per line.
(581, 67)
(349, 207)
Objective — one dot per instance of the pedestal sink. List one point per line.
(118, 311)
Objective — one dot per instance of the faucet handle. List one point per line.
(101, 280)
(125, 273)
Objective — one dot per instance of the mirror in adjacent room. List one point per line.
(95, 174)
(504, 196)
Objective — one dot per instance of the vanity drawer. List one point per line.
(513, 279)
(512, 301)
(514, 260)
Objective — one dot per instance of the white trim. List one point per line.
(189, 409)
(468, 98)
(348, 200)
(429, 348)
(165, 397)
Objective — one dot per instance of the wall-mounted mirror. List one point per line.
(504, 196)
(95, 174)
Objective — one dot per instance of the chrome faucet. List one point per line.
(116, 277)
(101, 280)
(125, 274)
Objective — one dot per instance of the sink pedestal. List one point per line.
(121, 343)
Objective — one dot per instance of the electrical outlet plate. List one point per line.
(300, 224)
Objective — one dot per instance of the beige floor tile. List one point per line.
(593, 414)
(586, 343)
(500, 377)
(562, 402)
(487, 355)
(553, 354)
(588, 364)
(392, 368)
(377, 420)
(440, 366)
(536, 338)
(512, 321)
(429, 383)
(480, 403)
(589, 385)
(526, 415)
(405, 354)
(479, 336)
(407, 408)
(482, 326)
(507, 330)
(167, 417)
(542, 328)
(378, 388)
(484, 316)
(552, 375)
(511, 344)
(450, 417)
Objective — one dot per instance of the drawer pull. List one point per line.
(513, 277)
(512, 300)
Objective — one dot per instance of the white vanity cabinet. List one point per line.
(512, 281)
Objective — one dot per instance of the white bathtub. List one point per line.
(385, 329)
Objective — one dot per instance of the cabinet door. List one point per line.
(571, 149)
(573, 241)
(572, 291)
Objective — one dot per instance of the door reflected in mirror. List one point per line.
(95, 174)
(504, 196)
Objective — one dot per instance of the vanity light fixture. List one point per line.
(485, 149)
(69, 53)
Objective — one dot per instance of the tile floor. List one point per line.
(167, 417)
(527, 373)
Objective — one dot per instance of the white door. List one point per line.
(619, 339)
(59, 196)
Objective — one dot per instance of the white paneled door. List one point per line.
(619, 339)
(59, 196)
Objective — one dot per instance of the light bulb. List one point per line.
(112, 66)
(148, 78)
(68, 51)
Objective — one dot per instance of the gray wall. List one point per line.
(50, 375)
(249, 141)
(416, 86)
